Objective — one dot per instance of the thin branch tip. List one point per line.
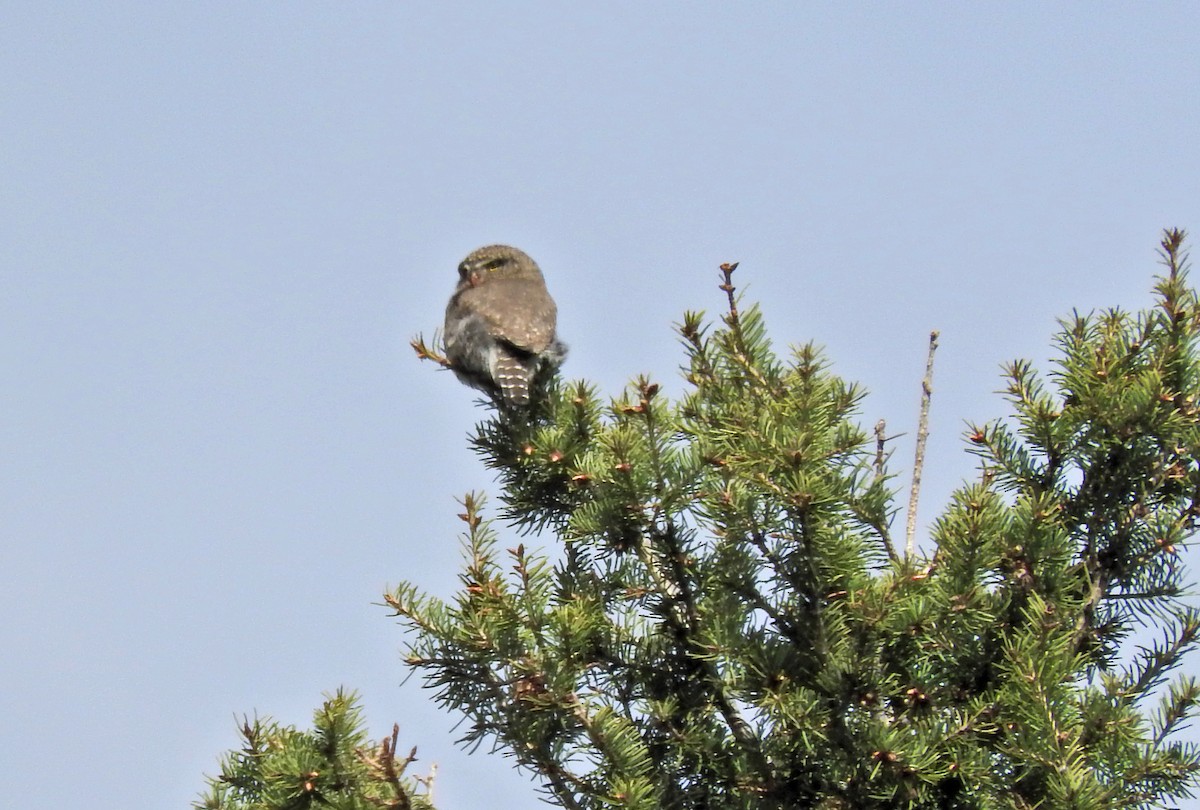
(426, 352)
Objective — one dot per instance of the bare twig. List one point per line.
(919, 460)
(881, 457)
(880, 440)
(727, 287)
(427, 782)
(426, 352)
(385, 766)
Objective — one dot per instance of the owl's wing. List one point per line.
(524, 315)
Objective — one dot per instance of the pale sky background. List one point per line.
(220, 224)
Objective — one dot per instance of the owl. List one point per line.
(500, 324)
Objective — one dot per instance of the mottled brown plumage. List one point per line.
(501, 324)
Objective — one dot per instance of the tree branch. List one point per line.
(919, 461)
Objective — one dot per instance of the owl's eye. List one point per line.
(493, 264)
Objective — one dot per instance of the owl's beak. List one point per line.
(473, 278)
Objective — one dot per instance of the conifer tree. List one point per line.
(722, 619)
(332, 766)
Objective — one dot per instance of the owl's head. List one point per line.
(493, 262)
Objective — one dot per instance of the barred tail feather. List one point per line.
(513, 375)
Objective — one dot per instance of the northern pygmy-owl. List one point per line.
(500, 324)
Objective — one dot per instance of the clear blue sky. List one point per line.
(220, 223)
